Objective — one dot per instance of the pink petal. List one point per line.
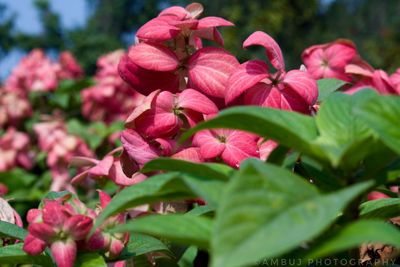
(96, 241)
(143, 81)
(104, 198)
(192, 99)
(190, 154)
(154, 57)
(102, 168)
(64, 253)
(176, 11)
(266, 148)
(187, 24)
(82, 162)
(376, 195)
(116, 247)
(33, 245)
(272, 49)
(382, 82)
(156, 123)
(78, 226)
(137, 148)
(33, 215)
(119, 178)
(195, 9)
(157, 30)
(43, 231)
(139, 110)
(340, 53)
(303, 86)
(210, 34)
(209, 22)
(239, 146)
(246, 76)
(53, 213)
(210, 146)
(79, 177)
(209, 70)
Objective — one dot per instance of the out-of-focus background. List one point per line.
(90, 28)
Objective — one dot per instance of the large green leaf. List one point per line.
(288, 128)
(381, 208)
(356, 234)
(213, 170)
(170, 186)
(328, 86)
(178, 228)
(267, 211)
(14, 254)
(344, 137)
(140, 244)
(12, 230)
(382, 113)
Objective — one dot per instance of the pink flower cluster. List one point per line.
(111, 99)
(340, 59)
(60, 147)
(13, 108)
(15, 150)
(64, 224)
(195, 82)
(36, 72)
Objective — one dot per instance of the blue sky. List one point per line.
(73, 13)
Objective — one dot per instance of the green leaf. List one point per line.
(289, 129)
(90, 260)
(178, 228)
(344, 137)
(382, 114)
(328, 86)
(170, 186)
(188, 257)
(267, 211)
(384, 208)
(140, 244)
(12, 230)
(356, 234)
(209, 170)
(14, 254)
(201, 210)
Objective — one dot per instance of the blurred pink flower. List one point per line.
(15, 150)
(13, 108)
(60, 147)
(111, 99)
(68, 66)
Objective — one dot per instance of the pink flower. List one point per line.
(15, 150)
(295, 90)
(61, 147)
(164, 114)
(230, 145)
(13, 108)
(266, 147)
(183, 62)
(69, 67)
(34, 73)
(178, 23)
(111, 99)
(107, 168)
(101, 239)
(60, 226)
(366, 77)
(8, 214)
(329, 60)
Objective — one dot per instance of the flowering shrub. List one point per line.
(218, 163)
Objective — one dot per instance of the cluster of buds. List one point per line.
(64, 224)
(36, 72)
(60, 147)
(15, 150)
(111, 99)
(340, 59)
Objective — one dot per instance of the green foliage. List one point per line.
(13, 254)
